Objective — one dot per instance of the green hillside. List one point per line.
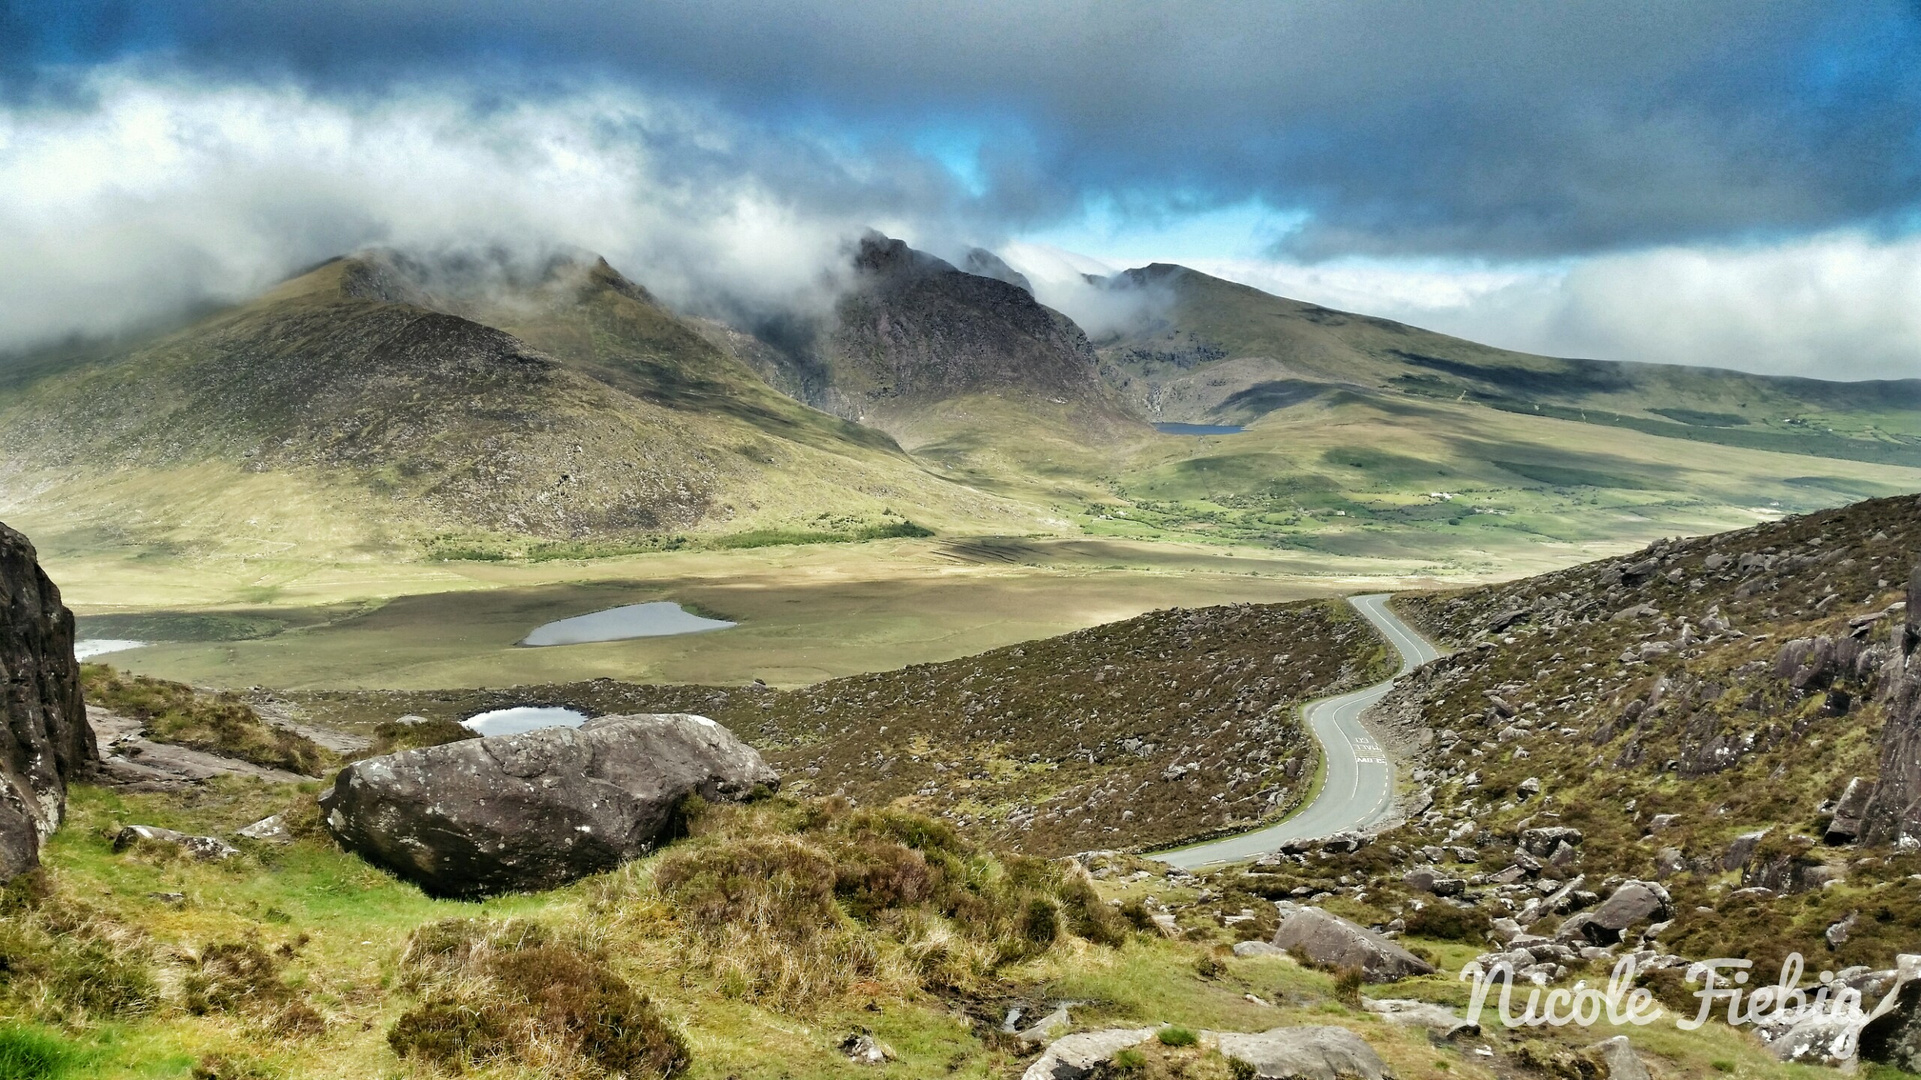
(1227, 353)
(379, 405)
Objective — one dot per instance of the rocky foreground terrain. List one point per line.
(1702, 751)
(1705, 749)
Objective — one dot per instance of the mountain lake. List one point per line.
(659, 619)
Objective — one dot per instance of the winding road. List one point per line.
(1358, 787)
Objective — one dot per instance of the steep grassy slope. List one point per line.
(358, 388)
(1227, 352)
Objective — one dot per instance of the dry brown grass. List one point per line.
(790, 902)
(491, 990)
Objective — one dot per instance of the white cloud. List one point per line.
(1060, 280)
(168, 193)
(1840, 305)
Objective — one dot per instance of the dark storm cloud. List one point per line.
(1399, 126)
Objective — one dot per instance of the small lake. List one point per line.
(87, 650)
(523, 718)
(1199, 429)
(658, 619)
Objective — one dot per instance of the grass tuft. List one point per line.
(493, 990)
(32, 1053)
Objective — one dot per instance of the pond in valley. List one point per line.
(659, 619)
(523, 718)
(92, 647)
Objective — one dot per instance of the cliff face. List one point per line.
(45, 739)
(1894, 814)
(915, 333)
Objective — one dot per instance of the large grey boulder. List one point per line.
(44, 737)
(537, 809)
(1633, 903)
(1331, 941)
(1306, 1053)
(1893, 1036)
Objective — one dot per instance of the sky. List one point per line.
(1725, 182)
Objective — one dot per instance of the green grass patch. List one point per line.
(758, 538)
(29, 1052)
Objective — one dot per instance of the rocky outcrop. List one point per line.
(1306, 1053)
(1331, 941)
(1439, 1019)
(45, 740)
(204, 848)
(1075, 1056)
(538, 809)
(1893, 1035)
(1849, 810)
(1893, 815)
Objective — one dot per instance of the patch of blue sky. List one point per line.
(1131, 235)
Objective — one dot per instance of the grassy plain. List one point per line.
(1342, 492)
(806, 612)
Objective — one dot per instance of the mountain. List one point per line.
(1220, 352)
(469, 397)
(964, 369)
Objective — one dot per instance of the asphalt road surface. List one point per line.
(1359, 786)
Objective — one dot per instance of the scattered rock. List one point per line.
(1257, 948)
(1822, 1038)
(1047, 1028)
(1542, 842)
(1303, 1053)
(1436, 1018)
(268, 830)
(1742, 849)
(537, 809)
(861, 1049)
(206, 848)
(1634, 902)
(1331, 941)
(1072, 1057)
